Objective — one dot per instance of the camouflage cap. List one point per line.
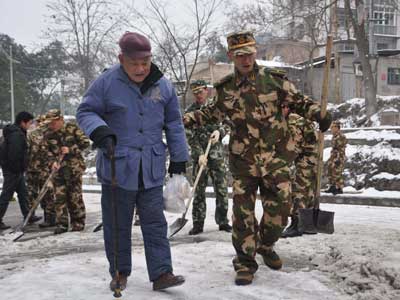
(242, 42)
(197, 85)
(40, 119)
(53, 114)
(336, 123)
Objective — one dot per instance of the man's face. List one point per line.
(56, 124)
(285, 109)
(201, 97)
(243, 63)
(334, 129)
(137, 69)
(26, 125)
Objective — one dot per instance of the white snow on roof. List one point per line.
(385, 175)
(274, 64)
(369, 135)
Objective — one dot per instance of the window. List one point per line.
(394, 76)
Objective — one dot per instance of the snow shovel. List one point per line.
(179, 223)
(313, 220)
(19, 230)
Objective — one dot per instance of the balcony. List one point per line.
(385, 30)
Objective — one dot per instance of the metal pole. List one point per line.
(62, 101)
(12, 86)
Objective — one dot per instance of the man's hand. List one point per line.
(203, 160)
(187, 121)
(105, 139)
(55, 166)
(214, 138)
(64, 150)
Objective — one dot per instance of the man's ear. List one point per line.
(230, 55)
(121, 58)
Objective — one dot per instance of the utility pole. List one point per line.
(62, 100)
(12, 86)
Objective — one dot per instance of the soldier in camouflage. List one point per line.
(304, 135)
(68, 140)
(38, 171)
(336, 160)
(251, 98)
(215, 167)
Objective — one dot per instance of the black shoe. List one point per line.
(331, 189)
(271, 259)
(244, 278)
(34, 219)
(137, 222)
(166, 281)
(4, 226)
(225, 227)
(123, 280)
(293, 229)
(197, 228)
(60, 229)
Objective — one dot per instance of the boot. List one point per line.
(123, 280)
(2, 213)
(60, 229)
(244, 278)
(331, 189)
(4, 226)
(34, 219)
(225, 227)
(271, 259)
(197, 228)
(49, 221)
(293, 229)
(167, 280)
(137, 221)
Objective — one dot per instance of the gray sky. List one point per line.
(24, 20)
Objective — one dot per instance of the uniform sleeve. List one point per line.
(210, 113)
(82, 142)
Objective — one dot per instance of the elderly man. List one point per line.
(251, 98)
(125, 112)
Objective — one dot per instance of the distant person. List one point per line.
(214, 166)
(125, 112)
(336, 160)
(68, 140)
(38, 171)
(14, 164)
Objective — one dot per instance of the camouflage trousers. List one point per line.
(216, 170)
(249, 237)
(335, 172)
(35, 182)
(305, 180)
(68, 192)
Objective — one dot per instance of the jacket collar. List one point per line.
(241, 80)
(152, 79)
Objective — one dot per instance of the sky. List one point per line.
(24, 20)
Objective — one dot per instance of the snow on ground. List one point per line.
(359, 261)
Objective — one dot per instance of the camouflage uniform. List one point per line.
(258, 142)
(305, 163)
(198, 139)
(38, 171)
(337, 159)
(68, 179)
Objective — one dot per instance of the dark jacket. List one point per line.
(17, 149)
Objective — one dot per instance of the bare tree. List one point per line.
(178, 46)
(88, 30)
(358, 21)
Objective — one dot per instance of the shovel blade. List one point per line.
(98, 227)
(17, 235)
(325, 222)
(175, 227)
(316, 220)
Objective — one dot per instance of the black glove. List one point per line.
(324, 123)
(176, 167)
(105, 139)
(337, 163)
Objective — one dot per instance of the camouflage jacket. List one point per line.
(72, 137)
(338, 151)
(37, 153)
(198, 136)
(260, 135)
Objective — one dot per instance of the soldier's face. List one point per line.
(334, 129)
(201, 97)
(243, 63)
(57, 124)
(137, 69)
(26, 125)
